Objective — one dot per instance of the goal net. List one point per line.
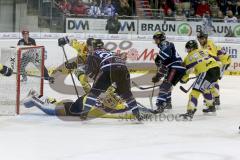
(27, 64)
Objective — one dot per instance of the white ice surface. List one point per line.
(40, 137)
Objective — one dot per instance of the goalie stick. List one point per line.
(32, 75)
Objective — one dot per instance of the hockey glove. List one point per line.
(72, 65)
(62, 41)
(156, 78)
(6, 71)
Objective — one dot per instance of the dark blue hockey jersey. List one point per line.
(102, 59)
(169, 57)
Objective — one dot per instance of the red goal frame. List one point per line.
(18, 75)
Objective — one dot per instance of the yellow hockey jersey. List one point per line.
(217, 52)
(81, 48)
(198, 61)
(1, 66)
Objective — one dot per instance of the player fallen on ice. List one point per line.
(106, 68)
(207, 71)
(106, 106)
(79, 64)
(170, 68)
(5, 71)
(220, 55)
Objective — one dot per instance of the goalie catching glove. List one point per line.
(6, 71)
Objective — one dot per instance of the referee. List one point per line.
(27, 41)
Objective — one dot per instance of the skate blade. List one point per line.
(210, 113)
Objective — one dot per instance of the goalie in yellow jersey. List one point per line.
(219, 55)
(207, 71)
(79, 65)
(6, 71)
(108, 106)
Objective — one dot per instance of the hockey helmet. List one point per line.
(201, 34)
(90, 41)
(191, 45)
(98, 43)
(159, 35)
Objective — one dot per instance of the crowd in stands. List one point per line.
(219, 10)
(96, 8)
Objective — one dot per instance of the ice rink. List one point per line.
(35, 136)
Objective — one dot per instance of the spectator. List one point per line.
(238, 7)
(124, 8)
(220, 16)
(179, 15)
(94, 9)
(64, 5)
(109, 9)
(222, 5)
(191, 16)
(208, 24)
(202, 8)
(113, 25)
(194, 4)
(170, 15)
(79, 8)
(161, 13)
(231, 5)
(230, 18)
(164, 6)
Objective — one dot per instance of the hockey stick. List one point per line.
(187, 90)
(145, 88)
(150, 98)
(36, 76)
(70, 72)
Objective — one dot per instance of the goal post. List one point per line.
(27, 64)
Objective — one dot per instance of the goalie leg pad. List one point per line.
(40, 103)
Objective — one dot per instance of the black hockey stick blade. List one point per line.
(183, 89)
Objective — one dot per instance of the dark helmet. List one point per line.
(90, 41)
(159, 35)
(98, 43)
(192, 44)
(201, 34)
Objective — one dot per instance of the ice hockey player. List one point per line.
(170, 68)
(79, 64)
(6, 71)
(106, 68)
(207, 71)
(219, 55)
(106, 107)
